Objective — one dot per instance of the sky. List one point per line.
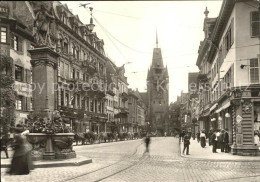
(128, 29)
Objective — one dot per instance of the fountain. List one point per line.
(50, 138)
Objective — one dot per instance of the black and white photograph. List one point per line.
(130, 91)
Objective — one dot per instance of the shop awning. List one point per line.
(223, 107)
(213, 107)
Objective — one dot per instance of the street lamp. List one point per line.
(91, 25)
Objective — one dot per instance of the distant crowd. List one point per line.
(219, 139)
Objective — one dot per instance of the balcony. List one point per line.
(90, 67)
(124, 96)
(111, 92)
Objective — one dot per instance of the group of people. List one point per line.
(220, 140)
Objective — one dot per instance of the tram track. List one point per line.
(137, 161)
(107, 166)
(100, 146)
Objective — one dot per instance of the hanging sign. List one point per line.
(239, 118)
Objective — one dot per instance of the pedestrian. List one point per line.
(186, 144)
(218, 138)
(165, 134)
(222, 142)
(214, 142)
(22, 161)
(4, 146)
(198, 137)
(226, 141)
(256, 138)
(147, 141)
(182, 134)
(203, 139)
(210, 136)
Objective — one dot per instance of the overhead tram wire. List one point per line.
(133, 49)
(127, 61)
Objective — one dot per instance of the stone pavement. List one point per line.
(197, 152)
(124, 161)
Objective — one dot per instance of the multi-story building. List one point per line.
(132, 105)
(15, 41)
(193, 99)
(122, 94)
(119, 87)
(79, 74)
(141, 112)
(185, 114)
(231, 46)
(111, 90)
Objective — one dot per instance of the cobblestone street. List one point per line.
(124, 161)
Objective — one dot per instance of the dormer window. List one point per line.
(77, 54)
(65, 47)
(64, 18)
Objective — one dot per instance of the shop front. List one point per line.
(245, 111)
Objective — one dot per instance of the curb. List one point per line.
(56, 164)
(217, 160)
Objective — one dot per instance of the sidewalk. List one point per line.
(197, 152)
(78, 161)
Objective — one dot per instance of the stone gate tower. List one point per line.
(158, 95)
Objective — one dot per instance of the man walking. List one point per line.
(214, 142)
(226, 141)
(210, 137)
(222, 142)
(186, 143)
(147, 141)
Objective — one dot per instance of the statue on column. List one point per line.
(42, 22)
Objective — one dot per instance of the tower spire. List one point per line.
(156, 39)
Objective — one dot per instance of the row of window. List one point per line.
(254, 77)
(23, 103)
(16, 42)
(75, 74)
(22, 74)
(86, 34)
(87, 104)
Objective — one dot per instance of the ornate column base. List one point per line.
(49, 152)
(245, 150)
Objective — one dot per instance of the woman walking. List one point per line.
(203, 139)
(21, 162)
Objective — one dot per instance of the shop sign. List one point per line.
(22, 115)
(4, 10)
(239, 118)
(23, 89)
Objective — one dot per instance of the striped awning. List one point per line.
(213, 107)
(223, 107)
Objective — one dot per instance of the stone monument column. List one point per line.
(44, 70)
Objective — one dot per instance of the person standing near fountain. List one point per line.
(22, 161)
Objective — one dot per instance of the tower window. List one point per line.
(158, 71)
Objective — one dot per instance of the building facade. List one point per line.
(16, 39)
(231, 48)
(73, 79)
